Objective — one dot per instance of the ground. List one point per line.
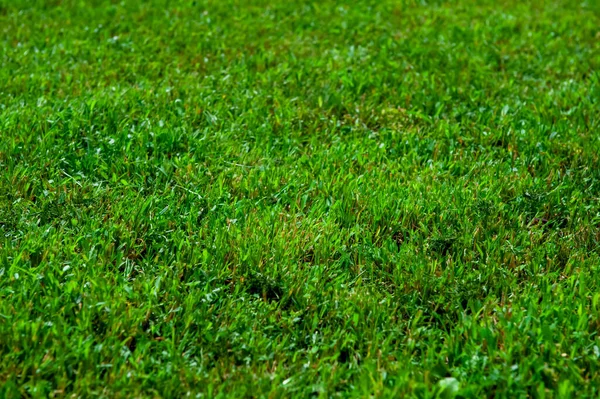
(289, 198)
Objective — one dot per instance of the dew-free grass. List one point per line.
(293, 199)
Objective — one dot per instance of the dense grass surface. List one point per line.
(293, 198)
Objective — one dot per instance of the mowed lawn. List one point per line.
(286, 198)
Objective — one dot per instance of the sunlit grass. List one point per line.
(292, 198)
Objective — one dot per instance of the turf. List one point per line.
(288, 198)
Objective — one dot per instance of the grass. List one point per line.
(289, 198)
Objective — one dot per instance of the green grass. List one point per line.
(288, 198)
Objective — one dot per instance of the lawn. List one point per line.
(286, 198)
